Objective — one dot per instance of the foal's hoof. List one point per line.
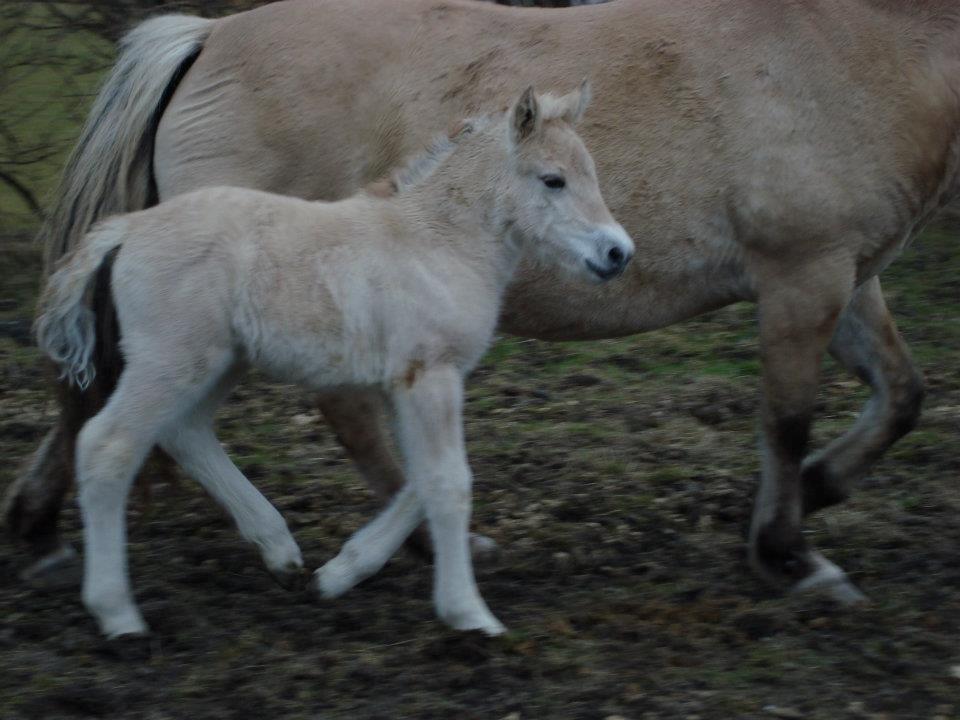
(290, 577)
(130, 647)
(483, 622)
(332, 580)
(56, 570)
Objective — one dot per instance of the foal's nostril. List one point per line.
(615, 255)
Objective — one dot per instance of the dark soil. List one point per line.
(616, 477)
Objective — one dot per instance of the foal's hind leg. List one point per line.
(193, 444)
(156, 389)
(111, 448)
(867, 344)
(357, 418)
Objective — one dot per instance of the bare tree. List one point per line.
(52, 54)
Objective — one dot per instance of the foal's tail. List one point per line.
(66, 325)
(110, 169)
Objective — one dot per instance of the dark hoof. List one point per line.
(135, 647)
(807, 572)
(292, 577)
(58, 570)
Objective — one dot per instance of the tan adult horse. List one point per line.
(776, 152)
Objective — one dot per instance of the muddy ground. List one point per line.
(616, 477)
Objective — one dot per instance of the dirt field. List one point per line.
(616, 477)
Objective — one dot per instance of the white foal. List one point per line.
(398, 287)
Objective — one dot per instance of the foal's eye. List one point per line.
(554, 182)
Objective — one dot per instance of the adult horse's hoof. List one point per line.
(786, 562)
(828, 580)
(57, 570)
(483, 549)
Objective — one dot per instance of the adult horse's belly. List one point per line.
(315, 99)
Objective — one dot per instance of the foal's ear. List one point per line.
(574, 104)
(525, 116)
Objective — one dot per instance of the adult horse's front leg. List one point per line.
(866, 343)
(357, 416)
(799, 308)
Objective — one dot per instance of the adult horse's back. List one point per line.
(778, 154)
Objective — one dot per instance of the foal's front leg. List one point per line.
(357, 418)
(799, 308)
(429, 418)
(371, 546)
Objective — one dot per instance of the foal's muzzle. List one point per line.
(614, 250)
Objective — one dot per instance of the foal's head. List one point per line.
(550, 191)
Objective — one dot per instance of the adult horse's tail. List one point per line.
(109, 172)
(110, 169)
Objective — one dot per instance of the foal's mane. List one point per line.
(422, 165)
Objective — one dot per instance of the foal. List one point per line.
(397, 287)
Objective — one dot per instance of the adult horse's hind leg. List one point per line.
(799, 308)
(357, 418)
(866, 343)
(193, 444)
(32, 504)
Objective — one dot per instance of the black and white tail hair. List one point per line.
(66, 325)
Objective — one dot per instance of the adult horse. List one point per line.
(775, 152)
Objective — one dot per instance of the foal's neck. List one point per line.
(460, 206)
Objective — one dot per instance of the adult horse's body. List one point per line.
(781, 153)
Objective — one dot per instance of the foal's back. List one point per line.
(317, 293)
